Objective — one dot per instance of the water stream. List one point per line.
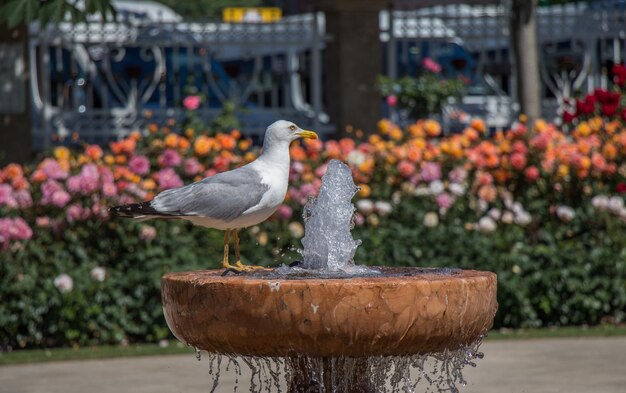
(436, 372)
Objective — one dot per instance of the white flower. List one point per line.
(396, 197)
(164, 343)
(456, 189)
(421, 191)
(383, 208)
(565, 213)
(482, 205)
(431, 219)
(486, 224)
(365, 206)
(436, 187)
(517, 208)
(356, 157)
(507, 217)
(495, 213)
(600, 202)
(616, 204)
(523, 218)
(516, 269)
(295, 229)
(64, 283)
(98, 273)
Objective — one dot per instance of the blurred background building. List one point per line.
(317, 63)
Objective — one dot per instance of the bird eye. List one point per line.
(292, 127)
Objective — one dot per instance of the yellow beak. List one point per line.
(307, 134)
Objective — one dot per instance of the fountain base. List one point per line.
(401, 312)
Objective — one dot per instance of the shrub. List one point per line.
(542, 209)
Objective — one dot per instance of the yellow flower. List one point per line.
(249, 157)
(395, 133)
(432, 128)
(148, 184)
(109, 160)
(202, 145)
(563, 170)
(62, 153)
(365, 190)
(171, 141)
(583, 129)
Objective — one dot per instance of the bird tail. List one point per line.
(134, 210)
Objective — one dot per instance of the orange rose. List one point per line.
(226, 141)
(432, 128)
(297, 152)
(478, 125)
(62, 153)
(202, 146)
(171, 141)
(94, 152)
(13, 171)
(610, 151)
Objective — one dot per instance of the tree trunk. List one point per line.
(15, 121)
(524, 42)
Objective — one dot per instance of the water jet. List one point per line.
(330, 325)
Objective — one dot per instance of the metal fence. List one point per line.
(578, 44)
(104, 80)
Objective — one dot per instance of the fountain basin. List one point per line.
(404, 311)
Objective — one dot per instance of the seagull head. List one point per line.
(285, 131)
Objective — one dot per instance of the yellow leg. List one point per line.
(238, 263)
(236, 242)
(225, 263)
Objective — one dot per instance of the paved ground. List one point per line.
(589, 365)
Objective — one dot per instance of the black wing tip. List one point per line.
(133, 210)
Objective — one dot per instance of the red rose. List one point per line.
(609, 110)
(568, 117)
(620, 188)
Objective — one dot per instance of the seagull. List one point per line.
(230, 200)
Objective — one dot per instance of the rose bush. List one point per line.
(542, 208)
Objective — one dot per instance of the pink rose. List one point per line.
(53, 169)
(139, 165)
(167, 179)
(109, 189)
(192, 166)
(23, 198)
(74, 213)
(392, 100)
(406, 168)
(531, 173)
(147, 233)
(518, 161)
(192, 103)
(285, 212)
(444, 200)
(431, 171)
(42, 222)
(20, 230)
(431, 65)
(169, 158)
(6, 196)
(60, 198)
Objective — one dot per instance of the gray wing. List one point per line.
(224, 196)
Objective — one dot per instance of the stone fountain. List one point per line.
(329, 325)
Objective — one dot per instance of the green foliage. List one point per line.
(421, 96)
(16, 12)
